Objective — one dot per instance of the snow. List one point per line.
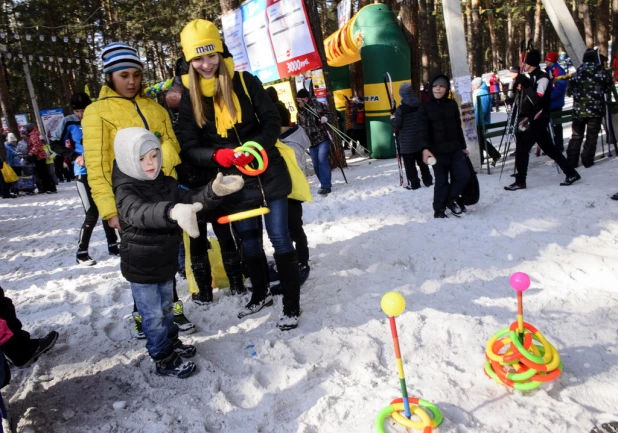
(337, 370)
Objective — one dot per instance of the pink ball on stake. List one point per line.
(520, 281)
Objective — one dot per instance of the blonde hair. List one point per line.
(223, 96)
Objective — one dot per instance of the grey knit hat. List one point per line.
(440, 81)
(405, 89)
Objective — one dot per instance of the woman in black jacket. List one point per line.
(220, 110)
(443, 139)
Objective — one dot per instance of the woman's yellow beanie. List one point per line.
(200, 37)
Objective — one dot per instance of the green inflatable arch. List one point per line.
(373, 36)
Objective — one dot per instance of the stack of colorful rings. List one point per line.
(512, 357)
(426, 424)
(261, 158)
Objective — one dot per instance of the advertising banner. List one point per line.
(257, 40)
(319, 85)
(291, 38)
(344, 12)
(271, 39)
(284, 91)
(232, 32)
(51, 119)
(21, 119)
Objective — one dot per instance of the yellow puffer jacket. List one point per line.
(102, 119)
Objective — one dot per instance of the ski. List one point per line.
(388, 84)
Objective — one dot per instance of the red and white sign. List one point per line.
(291, 37)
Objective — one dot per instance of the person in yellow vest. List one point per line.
(121, 105)
(221, 109)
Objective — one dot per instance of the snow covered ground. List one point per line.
(337, 370)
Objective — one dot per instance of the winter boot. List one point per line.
(515, 186)
(43, 345)
(454, 207)
(203, 278)
(233, 269)
(138, 331)
(261, 296)
(173, 365)
(184, 350)
(440, 213)
(570, 180)
(289, 276)
(83, 258)
(184, 324)
(113, 249)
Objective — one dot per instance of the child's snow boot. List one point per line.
(184, 350)
(203, 278)
(261, 296)
(173, 365)
(138, 332)
(233, 269)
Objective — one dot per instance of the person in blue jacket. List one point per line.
(66, 141)
(482, 110)
(554, 70)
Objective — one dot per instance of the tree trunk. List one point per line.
(509, 55)
(584, 12)
(538, 26)
(314, 22)
(467, 23)
(614, 28)
(228, 5)
(409, 20)
(7, 102)
(476, 39)
(357, 82)
(603, 26)
(435, 61)
(492, 35)
(424, 38)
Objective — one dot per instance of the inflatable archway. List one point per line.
(373, 36)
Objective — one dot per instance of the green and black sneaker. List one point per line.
(184, 324)
(138, 332)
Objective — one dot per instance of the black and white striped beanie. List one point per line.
(117, 56)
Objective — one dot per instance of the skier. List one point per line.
(406, 120)
(151, 211)
(534, 121)
(320, 141)
(70, 130)
(554, 70)
(590, 84)
(442, 137)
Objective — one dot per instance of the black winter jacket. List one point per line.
(150, 240)
(199, 144)
(441, 130)
(407, 121)
(536, 91)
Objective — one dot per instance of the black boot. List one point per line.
(261, 296)
(233, 269)
(203, 278)
(287, 264)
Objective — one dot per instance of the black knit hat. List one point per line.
(592, 56)
(303, 93)
(79, 101)
(533, 58)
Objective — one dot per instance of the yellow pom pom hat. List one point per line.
(200, 37)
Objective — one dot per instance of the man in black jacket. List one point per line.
(533, 126)
(443, 139)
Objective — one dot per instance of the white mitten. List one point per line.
(184, 215)
(324, 119)
(225, 185)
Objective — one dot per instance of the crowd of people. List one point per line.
(158, 174)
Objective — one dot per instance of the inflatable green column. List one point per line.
(384, 49)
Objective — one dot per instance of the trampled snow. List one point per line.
(337, 370)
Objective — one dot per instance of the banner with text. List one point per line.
(271, 38)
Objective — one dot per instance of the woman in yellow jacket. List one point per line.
(121, 104)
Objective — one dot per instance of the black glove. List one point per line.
(521, 80)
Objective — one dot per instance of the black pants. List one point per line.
(409, 162)
(451, 164)
(359, 135)
(92, 216)
(297, 233)
(5, 189)
(558, 133)
(591, 126)
(537, 133)
(47, 183)
(20, 347)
